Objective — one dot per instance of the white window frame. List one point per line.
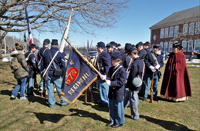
(197, 28)
(197, 40)
(185, 29)
(171, 31)
(166, 32)
(184, 44)
(170, 47)
(191, 29)
(165, 46)
(176, 30)
(162, 33)
(161, 44)
(190, 41)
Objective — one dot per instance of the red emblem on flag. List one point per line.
(72, 75)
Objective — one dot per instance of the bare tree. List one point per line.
(52, 15)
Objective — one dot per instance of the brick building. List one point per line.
(182, 26)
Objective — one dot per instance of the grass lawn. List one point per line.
(34, 114)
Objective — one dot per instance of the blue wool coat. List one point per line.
(136, 70)
(116, 89)
(59, 60)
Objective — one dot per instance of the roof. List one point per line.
(181, 17)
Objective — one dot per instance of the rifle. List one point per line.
(151, 89)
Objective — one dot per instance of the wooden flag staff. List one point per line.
(84, 58)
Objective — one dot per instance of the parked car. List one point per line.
(92, 54)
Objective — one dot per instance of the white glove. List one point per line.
(108, 82)
(152, 68)
(157, 66)
(103, 77)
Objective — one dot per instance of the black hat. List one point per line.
(16, 44)
(54, 42)
(131, 49)
(116, 56)
(19, 47)
(127, 46)
(101, 44)
(139, 44)
(157, 46)
(109, 45)
(146, 44)
(46, 41)
(118, 44)
(113, 43)
(32, 46)
(133, 45)
(177, 45)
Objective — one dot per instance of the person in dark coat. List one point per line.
(32, 65)
(142, 53)
(146, 46)
(120, 49)
(137, 70)
(176, 83)
(43, 87)
(153, 62)
(116, 79)
(53, 80)
(103, 66)
(110, 49)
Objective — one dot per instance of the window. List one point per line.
(197, 28)
(165, 46)
(190, 45)
(161, 44)
(197, 45)
(171, 31)
(184, 44)
(166, 32)
(191, 28)
(176, 30)
(162, 33)
(185, 29)
(170, 46)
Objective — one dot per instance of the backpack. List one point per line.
(14, 64)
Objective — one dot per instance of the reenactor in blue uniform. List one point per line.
(146, 46)
(141, 51)
(153, 62)
(137, 70)
(53, 80)
(114, 44)
(32, 65)
(43, 87)
(110, 49)
(120, 49)
(103, 65)
(116, 80)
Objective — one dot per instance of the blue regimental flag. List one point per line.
(77, 77)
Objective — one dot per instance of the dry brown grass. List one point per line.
(34, 114)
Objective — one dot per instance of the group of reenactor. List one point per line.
(118, 69)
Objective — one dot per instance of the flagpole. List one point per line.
(62, 45)
(83, 58)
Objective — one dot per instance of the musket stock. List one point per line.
(151, 89)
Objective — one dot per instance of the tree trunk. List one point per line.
(1, 39)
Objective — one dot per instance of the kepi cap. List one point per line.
(139, 44)
(101, 44)
(116, 56)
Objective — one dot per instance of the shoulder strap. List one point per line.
(129, 64)
(28, 56)
(52, 59)
(50, 63)
(116, 71)
(154, 57)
